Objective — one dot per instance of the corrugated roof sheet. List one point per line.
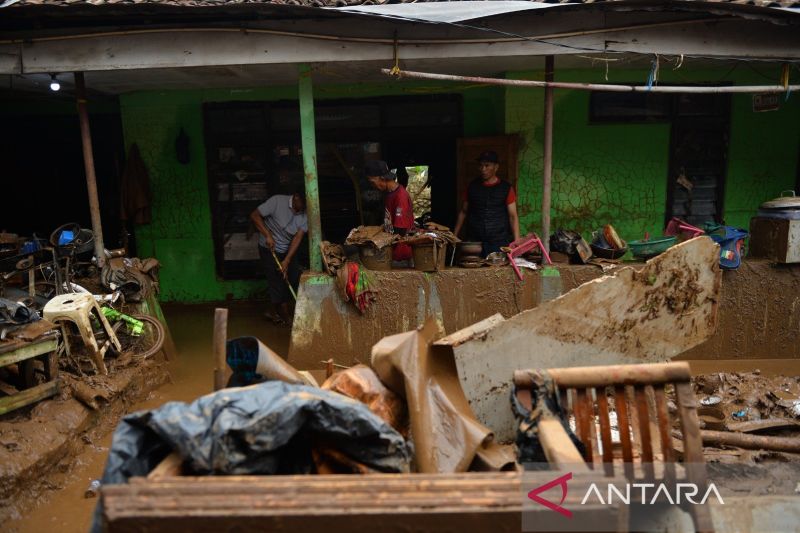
(327, 3)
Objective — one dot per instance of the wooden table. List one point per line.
(24, 353)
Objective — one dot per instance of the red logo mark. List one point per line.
(534, 495)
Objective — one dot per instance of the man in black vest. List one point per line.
(489, 208)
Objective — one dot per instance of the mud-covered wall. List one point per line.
(327, 326)
(617, 173)
(180, 233)
(759, 313)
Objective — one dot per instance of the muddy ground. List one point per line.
(45, 438)
(56, 499)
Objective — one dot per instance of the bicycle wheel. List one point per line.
(145, 344)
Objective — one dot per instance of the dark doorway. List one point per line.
(254, 151)
(698, 158)
(43, 172)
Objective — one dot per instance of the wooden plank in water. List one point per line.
(28, 396)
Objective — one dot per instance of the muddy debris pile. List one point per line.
(749, 417)
(64, 314)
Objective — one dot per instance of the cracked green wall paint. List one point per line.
(618, 172)
(602, 173)
(180, 233)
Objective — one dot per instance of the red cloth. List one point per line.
(358, 293)
(399, 215)
(510, 198)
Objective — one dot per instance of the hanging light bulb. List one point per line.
(54, 84)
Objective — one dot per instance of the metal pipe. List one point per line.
(547, 171)
(730, 89)
(309, 141)
(88, 163)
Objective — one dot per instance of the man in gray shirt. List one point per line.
(281, 223)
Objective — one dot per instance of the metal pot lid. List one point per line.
(784, 201)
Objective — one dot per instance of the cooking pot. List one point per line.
(783, 202)
(469, 248)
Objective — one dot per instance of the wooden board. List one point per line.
(380, 502)
(28, 396)
(634, 316)
(21, 350)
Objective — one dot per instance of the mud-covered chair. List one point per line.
(621, 417)
(78, 309)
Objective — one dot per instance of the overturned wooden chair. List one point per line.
(636, 395)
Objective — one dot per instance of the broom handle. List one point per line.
(280, 269)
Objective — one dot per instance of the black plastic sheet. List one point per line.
(269, 428)
(261, 429)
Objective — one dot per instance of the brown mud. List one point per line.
(59, 503)
(758, 318)
(760, 301)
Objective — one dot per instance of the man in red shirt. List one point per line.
(399, 212)
(489, 207)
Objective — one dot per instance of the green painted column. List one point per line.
(309, 139)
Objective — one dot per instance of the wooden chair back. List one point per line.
(637, 397)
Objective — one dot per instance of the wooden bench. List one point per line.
(638, 394)
(23, 354)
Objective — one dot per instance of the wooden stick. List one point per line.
(644, 432)
(169, 467)
(280, 270)
(693, 459)
(219, 339)
(624, 425)
(589, 376)
(88, 165)
(583, 422)
(607, 87)
(751, 442)
(557, 445)
(605, 430)
(664, 426)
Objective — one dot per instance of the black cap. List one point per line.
(489, 156)
(377, 168)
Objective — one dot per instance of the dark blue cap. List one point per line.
(489, 156)
(377, 168)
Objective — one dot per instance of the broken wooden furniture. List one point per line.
(638, 396)
(78, 309)
(637, 315)
(166, 502)
(24, 354)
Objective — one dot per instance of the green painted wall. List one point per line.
(617, 173)
(763, 156)
(602, 173)
(180, 234)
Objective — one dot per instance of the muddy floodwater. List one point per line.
(64, 509)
